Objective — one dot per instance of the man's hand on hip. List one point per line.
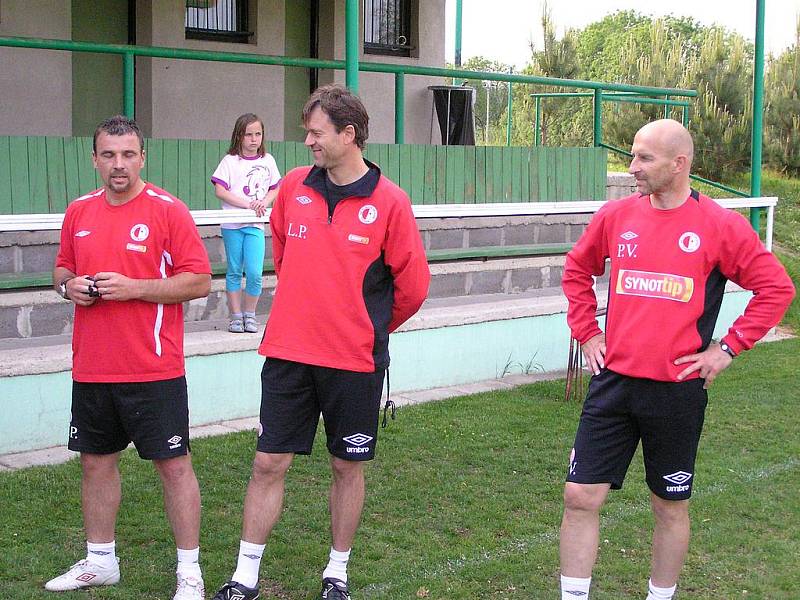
(708, 364)
(594, 351)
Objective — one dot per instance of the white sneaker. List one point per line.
(84, 574)
(189, 588)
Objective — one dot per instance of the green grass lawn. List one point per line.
(464, 501)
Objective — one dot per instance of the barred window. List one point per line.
(221, 20)
(387, 27)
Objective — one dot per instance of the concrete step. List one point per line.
(53, 353)
(29, 314)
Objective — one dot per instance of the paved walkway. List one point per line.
(60, 454)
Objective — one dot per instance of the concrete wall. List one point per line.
(377, 89)
(430, 351)
(36, 84)
(201, 99)
(196, 99)
(97, 78)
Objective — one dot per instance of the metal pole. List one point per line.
(459, 12)
(351, 45)
(666, 107)
(598, 117)
(399, 108)
(128, 83)
(537, 124)
(758, 114)
(509, 119)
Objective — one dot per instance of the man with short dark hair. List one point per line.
(671, 252)
(351, 268)
(130, 255)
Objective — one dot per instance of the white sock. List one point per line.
(657, 593)
(248, 564)
(337, 565)
(575, 588)
(189, 563)
(102, 555)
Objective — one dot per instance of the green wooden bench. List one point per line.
(20, 281)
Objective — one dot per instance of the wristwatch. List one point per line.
(62, 288)
(727, 349)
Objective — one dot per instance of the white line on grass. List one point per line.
(610, 517)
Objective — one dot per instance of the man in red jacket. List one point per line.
(671, 252)
(351, 269)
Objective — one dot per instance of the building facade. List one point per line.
(48, 92)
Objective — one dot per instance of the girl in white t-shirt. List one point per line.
(247, 177)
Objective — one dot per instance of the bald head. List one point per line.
(669, 137)
(662, 158)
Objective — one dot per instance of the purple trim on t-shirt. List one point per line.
(222, 183)
(274, 185)
(256, 157)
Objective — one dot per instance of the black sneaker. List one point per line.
(236, 591)
(334, 589)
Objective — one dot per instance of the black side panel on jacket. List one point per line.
(378, 290)
(715, 289)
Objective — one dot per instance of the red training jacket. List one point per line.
(343, 283)
(668, 275)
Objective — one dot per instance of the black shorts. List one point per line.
(154, 415)
(619, 411)
(294, 394)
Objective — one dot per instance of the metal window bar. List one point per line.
(217, 18)
(387, 27)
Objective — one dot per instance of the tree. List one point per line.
(782, 107)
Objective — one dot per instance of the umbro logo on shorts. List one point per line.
(358, 440)
(174, 442)
(680, 479)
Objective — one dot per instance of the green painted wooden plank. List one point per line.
(418, 173)
(567, 174)
(20, 182)
(454, 165)
(87, 174)
(480, 174)
(72, 181)
(195, 199)
(278, 152)
(430, 175)
(515, 175)
(214, 151)
(183, 190)
(544, 177)
(497, 251)
(5, 177)
(37, 174)
(155, 163)
(169, 165)
(440, 193)
(56, 184)
(405, 180)
(393, 162)
(525, 162)
(507, 175)
(533, 175)
(601, 175)
(469, 174)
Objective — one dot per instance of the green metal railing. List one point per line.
(599, 98)
(129, 52)
(715, 184)
(352, 66)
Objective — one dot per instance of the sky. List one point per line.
(504, 31)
